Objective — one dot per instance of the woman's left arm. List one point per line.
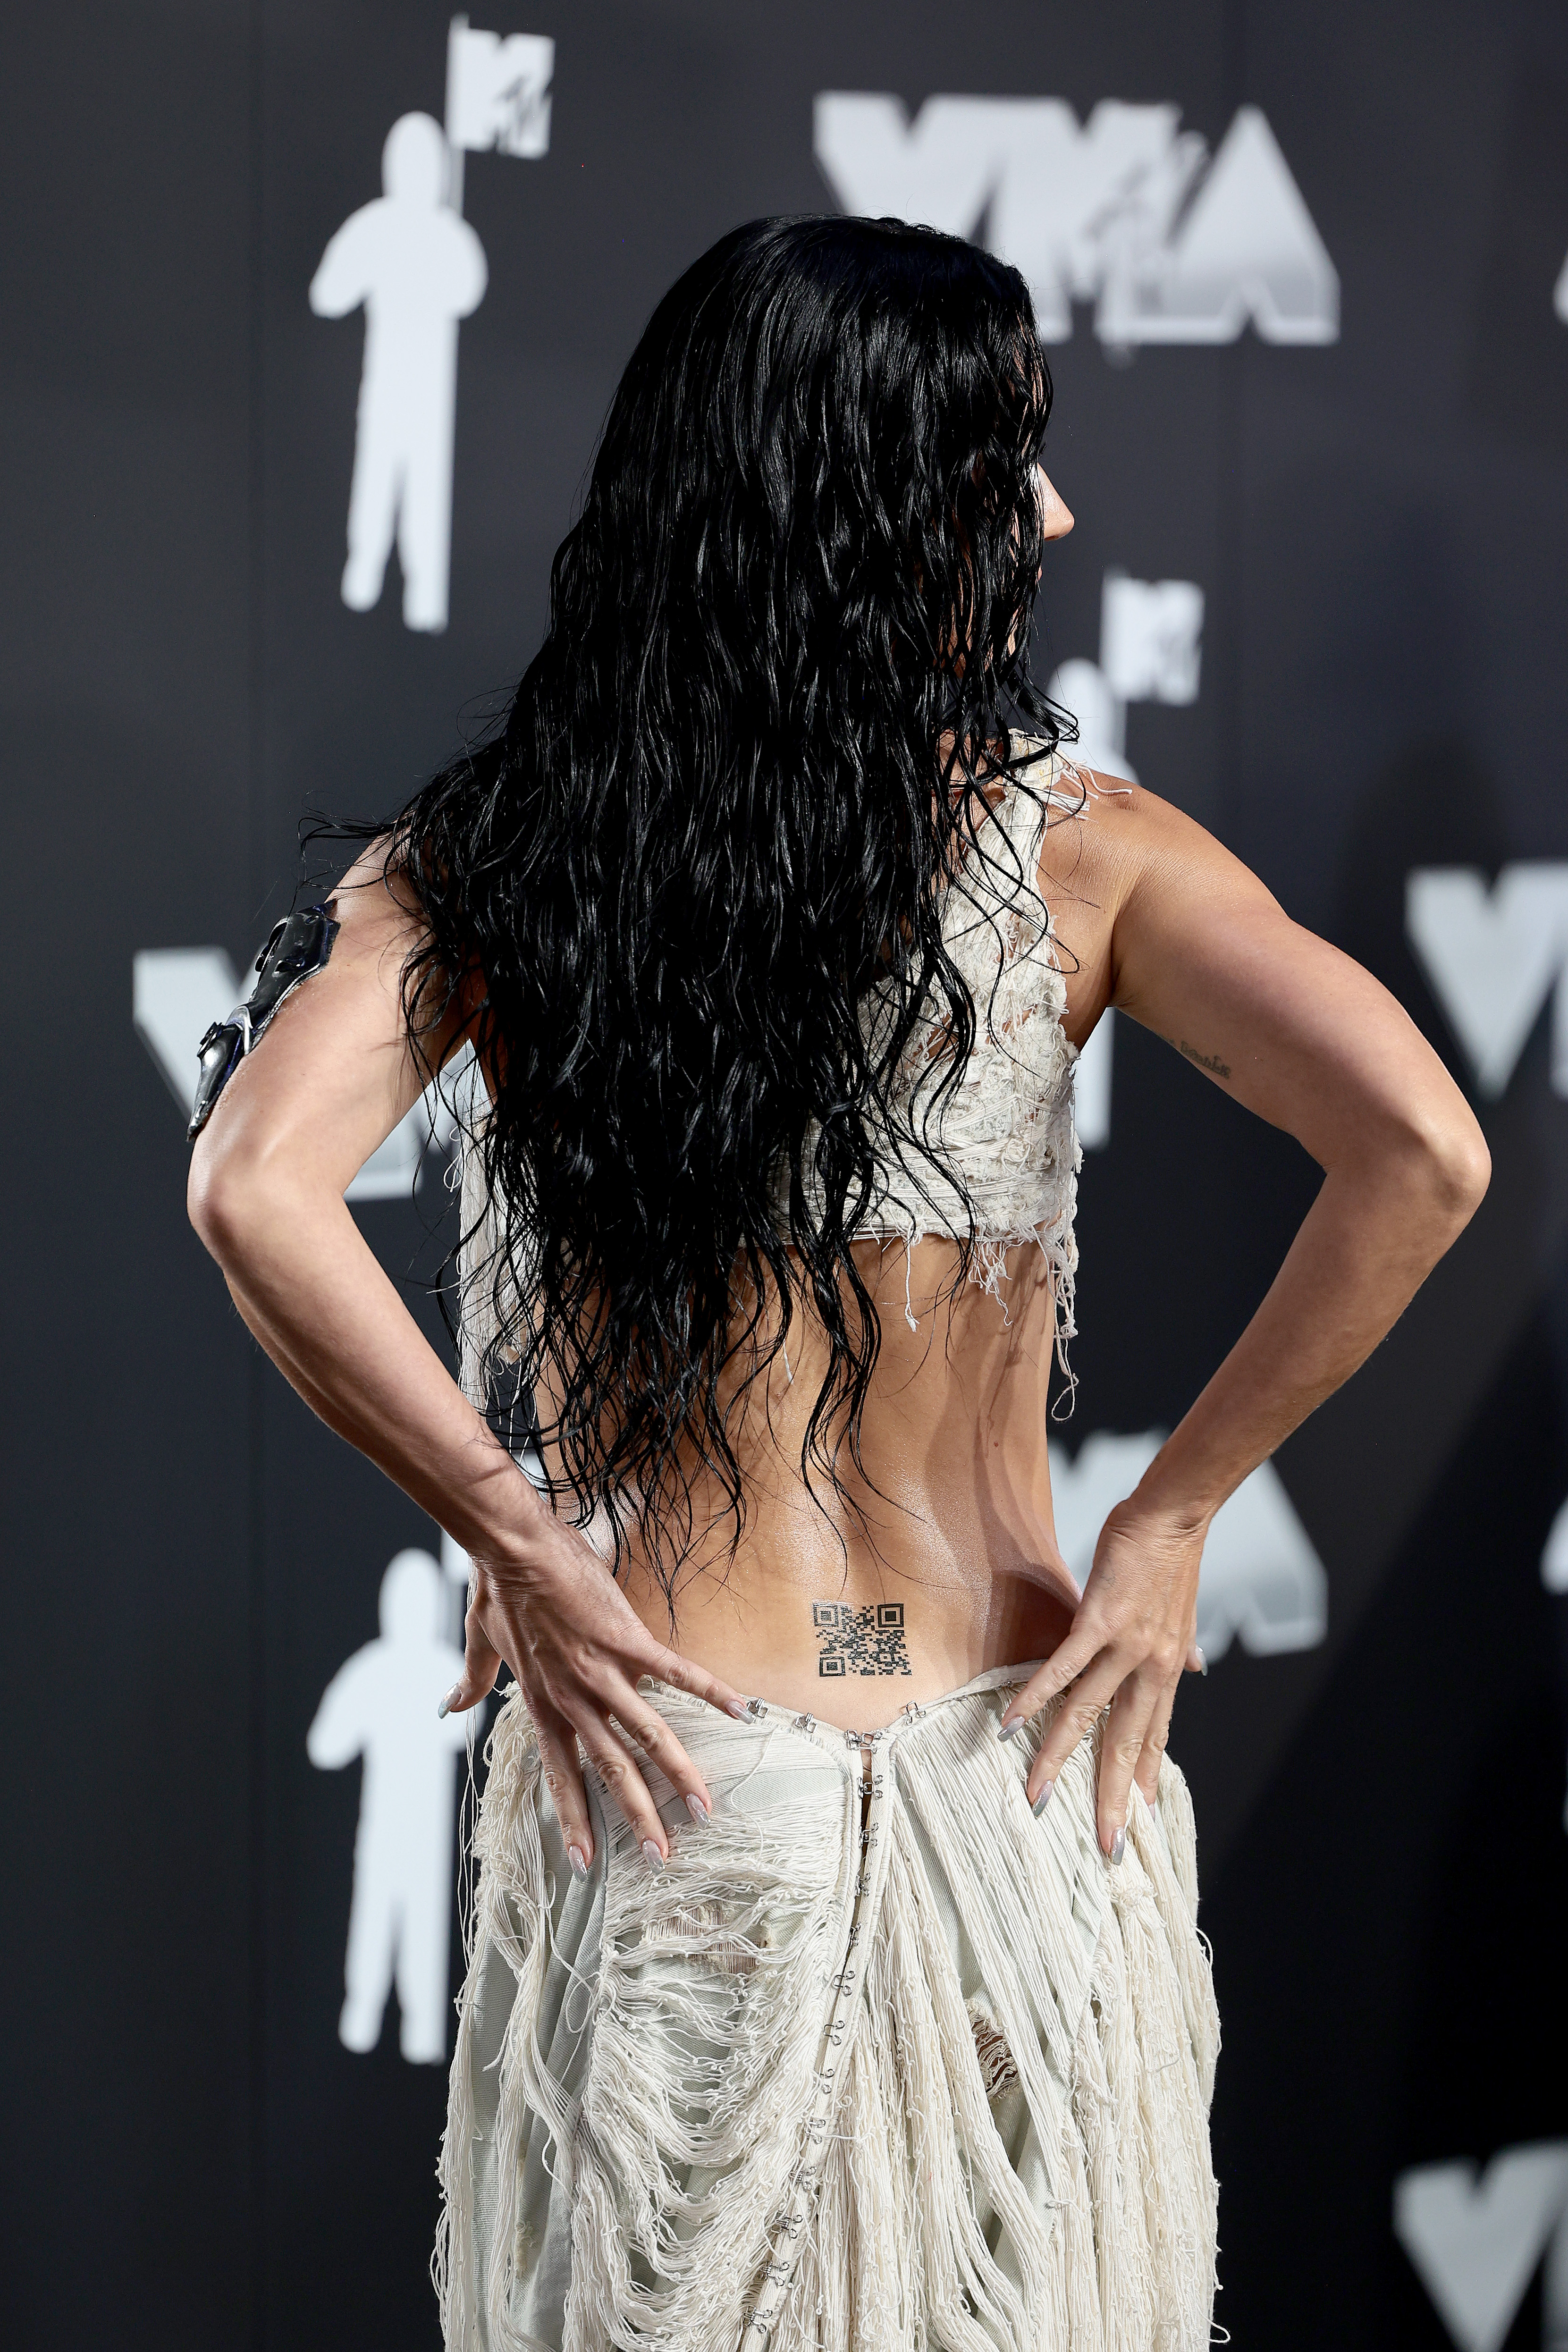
(1201, 953)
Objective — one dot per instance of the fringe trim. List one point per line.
(706, 2020)
(1028, 2167)
(509, 1910)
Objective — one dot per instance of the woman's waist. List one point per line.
(852, 1641)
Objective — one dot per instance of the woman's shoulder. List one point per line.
(1092, 828)
(1120, 869)
(1111, 840)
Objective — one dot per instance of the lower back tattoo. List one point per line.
(869, 1641)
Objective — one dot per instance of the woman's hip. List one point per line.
(656, 2071)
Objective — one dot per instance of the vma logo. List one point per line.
(1476, 2240)
(178, 993)
(1492, 954)
(1124, 211)
(1262, 1582)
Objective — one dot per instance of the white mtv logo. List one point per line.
(1150, 650)
(177, 996)
(1262, 1582)
(498, 93)
(381, 1705)
(1492, 956)
(1475, 2241)
(1124, 211)
(416, 268)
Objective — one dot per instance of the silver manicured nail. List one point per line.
(1010, 1730)
(1118, 1845)
(1202, 1662)
(739, 1709)
(578, 1860)
(696, 1808)
(1043, 1800)
(654, 1859)
(450, 1701)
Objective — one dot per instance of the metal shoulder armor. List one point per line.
(299, 945)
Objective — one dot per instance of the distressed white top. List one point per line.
(1008, 1128)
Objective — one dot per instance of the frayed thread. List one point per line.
(794, 2117)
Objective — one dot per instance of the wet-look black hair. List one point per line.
(796, 606)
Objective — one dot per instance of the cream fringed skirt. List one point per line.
(879, 2063)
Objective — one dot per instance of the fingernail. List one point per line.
(1118, 1845)
(739, 1709)
(1043, 1800)
(655, 1858)
(1202, 1662)
(450, 1701)
(578, 1860)
(1010, 1730)
(696, 1808)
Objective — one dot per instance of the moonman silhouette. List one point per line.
(418, 268)
(381, 1705)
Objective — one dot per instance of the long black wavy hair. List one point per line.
(796, 603)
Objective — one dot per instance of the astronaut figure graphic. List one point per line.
(418, 268)
(381, 1705)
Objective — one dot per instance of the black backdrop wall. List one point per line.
(1313, 419)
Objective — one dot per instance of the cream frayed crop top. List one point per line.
(1010, 1126)
(1008, 1129)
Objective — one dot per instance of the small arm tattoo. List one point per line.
(851, 1641)
(1205, 1061)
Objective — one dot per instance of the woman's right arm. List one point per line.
(1200, 952)
(331, 1078)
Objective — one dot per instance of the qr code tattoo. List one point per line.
(869, 1641)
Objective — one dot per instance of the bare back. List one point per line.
(942, 1558)
(950, 1564)
(1149, 913)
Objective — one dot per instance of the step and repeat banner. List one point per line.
(315, 312)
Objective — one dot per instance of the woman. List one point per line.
(866, 2009)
